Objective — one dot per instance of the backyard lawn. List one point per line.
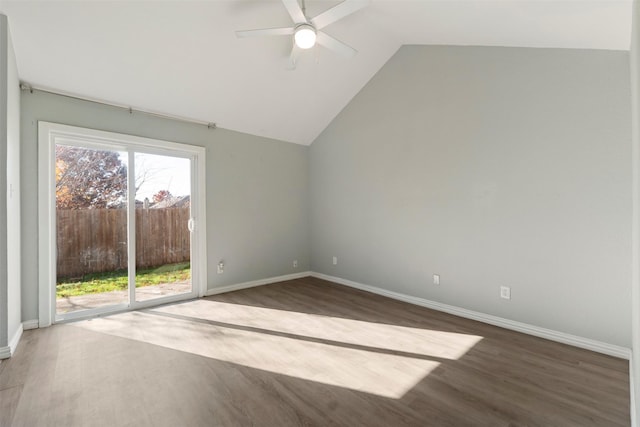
(96, 283)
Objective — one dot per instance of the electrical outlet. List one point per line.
(505, 292)
(436, 279)
(221, 267)
(295, 263)
(335, 260)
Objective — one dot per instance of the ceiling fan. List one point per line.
(306, 32)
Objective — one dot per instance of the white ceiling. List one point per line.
(182, 58)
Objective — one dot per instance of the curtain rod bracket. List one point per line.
(24, 86)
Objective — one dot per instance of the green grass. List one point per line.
(96, 283)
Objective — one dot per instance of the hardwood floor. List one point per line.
(304, 352)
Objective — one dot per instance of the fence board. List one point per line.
(95, 240)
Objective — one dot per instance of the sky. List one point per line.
(162, 173)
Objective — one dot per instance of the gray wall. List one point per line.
(257, 190)
(635, 260)
(490, 167)
(10, 315)
(4, 53)
(14, 316)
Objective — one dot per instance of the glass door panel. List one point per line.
(162, 217)
(91, 228)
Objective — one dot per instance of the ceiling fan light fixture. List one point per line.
(305, 36)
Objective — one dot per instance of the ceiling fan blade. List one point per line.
(345, 8)
(265, 32)
(293, 58)
(295, 11)
(335, 45)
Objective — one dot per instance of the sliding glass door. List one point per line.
(91, 228)
(125, 222)
(162, 222)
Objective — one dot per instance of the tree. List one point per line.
(162, 195)
(89, 179)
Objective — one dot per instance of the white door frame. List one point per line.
(50, 134)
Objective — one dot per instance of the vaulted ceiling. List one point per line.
(182, 58)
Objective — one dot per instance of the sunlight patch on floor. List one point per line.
(427, 342)
(381, 359)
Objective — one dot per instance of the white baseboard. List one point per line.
(7, 352)
(561, 337)
(30, 324)
(255, 283)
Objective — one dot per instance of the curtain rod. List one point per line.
(131, 110)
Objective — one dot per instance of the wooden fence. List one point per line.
(95, 240)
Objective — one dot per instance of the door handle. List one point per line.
(191, 224)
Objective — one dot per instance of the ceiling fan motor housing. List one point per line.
(305, 36)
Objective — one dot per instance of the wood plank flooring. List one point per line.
(305, 352)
